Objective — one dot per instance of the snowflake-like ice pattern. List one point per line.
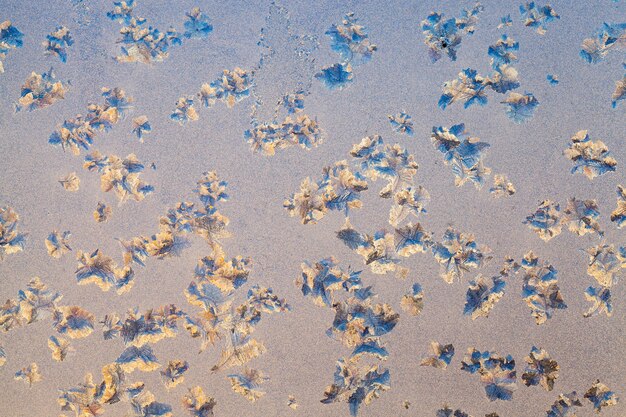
(481, 297)
(463, 153)
(537, 17)
(546, 221)
(57, 43)
(40, 91)
(591, 158)
(609, 37)
(541, 369)
(444, 36)
(351, 40)
(541, 289)
(497, 373)
(78, 133)
(10, 38)
(457, 253)
(11, 240)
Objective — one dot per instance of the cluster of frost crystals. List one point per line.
(217, 280)
(99, 269)
(141, 126)
(268, 137)
(546, 221)
(537, 17)
(11, 239)
(383, 249)
(413, 302)
(378, 250)
(141, 42)
(503, 52)
(204, 220)
(336, 76)
(481, 297)
(321, 279)
(120, 175)
(541, 288)
(89, 398)
(184, 111)
(502, 187)
(591, 158)
(505, 21)
(618, 216)
(581, 217)
(339, 190)
(197, 403)
(504, 78)
(409, 200)
(102, 213)
(40, 91)
(401, 123)
(609, 37)
(295, 128)
(57, 43)
(541, 369)
(57, 244)
(293, 102)
(29, 374)
(173, 374)
(564, 405)
(360, 322)
(356, 384)
(441, 356)
(620, 90)
(463, 153)
(604, 264)
(351, 41)
(388, 162)
(248, 383)
(520, 107)
(197, 25)
(457, 253)
(10, 38)
(497, 373)
(145, 44)
(32, 304)
(342, 184)
(601, 396)
(224, 274)
(231, 87)
(73, 321)
(78, 133)
(471, 88)
(552, 79)
(443, 36)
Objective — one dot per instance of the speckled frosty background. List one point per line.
(300, 358)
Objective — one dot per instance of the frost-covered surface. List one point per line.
(260, 209)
